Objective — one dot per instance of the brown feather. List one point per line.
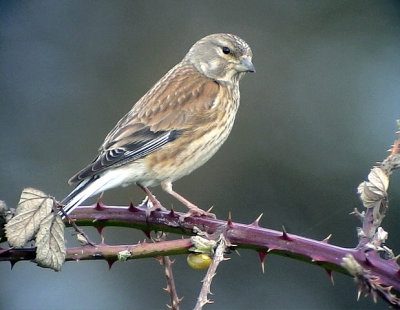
(175, 127)
(179, 101)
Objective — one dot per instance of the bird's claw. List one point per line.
(196, 211)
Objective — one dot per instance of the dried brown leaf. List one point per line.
(379, 179)
(374, 191)
(50, 245)
(33, 207)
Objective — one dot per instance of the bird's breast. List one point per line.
(197, 143)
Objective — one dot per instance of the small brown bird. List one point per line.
(175, 127)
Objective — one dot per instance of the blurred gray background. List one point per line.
(319, 112)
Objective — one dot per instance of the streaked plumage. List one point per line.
(175, 127)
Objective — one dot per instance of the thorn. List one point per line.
(374, 296)
(262, 255)
(99, 204)
(263, 267)
(326, 240)
(171, 213)
(256, 222)
(110, 263)
(100, 230)
(359, 292)
(330, 274)
(147, 233)
(230, 225)
(229, 245)
(132, 208)
(285, 235)
(12, 263)
(368, 262)
(209, 209)
(167, 289)
(159, 260)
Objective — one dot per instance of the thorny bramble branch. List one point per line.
(371, 263)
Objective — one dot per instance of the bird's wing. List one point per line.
(178, 102)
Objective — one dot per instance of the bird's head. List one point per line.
(221, 56)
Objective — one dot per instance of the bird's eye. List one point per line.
(226, 50)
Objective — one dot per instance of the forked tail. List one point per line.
(85, 189)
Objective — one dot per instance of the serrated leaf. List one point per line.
(33, 207)
(50, 245)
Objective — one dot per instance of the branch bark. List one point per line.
(372, 272)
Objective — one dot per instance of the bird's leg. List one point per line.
(156, 204)
(193, 209)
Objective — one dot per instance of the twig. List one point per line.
(374, 196)
(80, 233)
(167, 263)
(171, 289)
(110, 253)
(205, 289)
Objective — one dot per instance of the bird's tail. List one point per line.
(85, 189)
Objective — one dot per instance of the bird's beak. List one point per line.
(245, 65)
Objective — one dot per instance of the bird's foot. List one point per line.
(152, 205)
(196, 211)
(151, 202)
